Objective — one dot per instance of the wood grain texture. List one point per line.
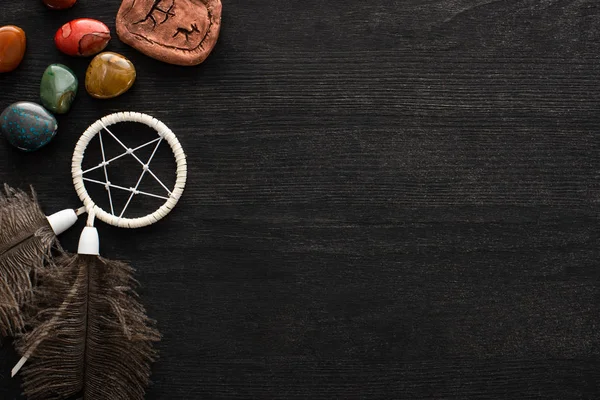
(386, 200)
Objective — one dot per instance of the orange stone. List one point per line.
(12, 47)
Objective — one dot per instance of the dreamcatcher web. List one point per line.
(145, 169)
(103, 174)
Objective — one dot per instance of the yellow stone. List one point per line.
(109, 75)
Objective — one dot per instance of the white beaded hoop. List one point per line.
(164, 133)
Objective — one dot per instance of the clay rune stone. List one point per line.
(181, 32)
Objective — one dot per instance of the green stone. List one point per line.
(58, 88)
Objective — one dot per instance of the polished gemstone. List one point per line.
(82, 37)
(59, 4)
(27, 126)
(58, 88)
(182, 32)
(12, 47)
(109, 75)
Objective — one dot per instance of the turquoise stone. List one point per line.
(27, 126)
(58, 88)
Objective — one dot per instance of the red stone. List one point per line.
(59, 4)
(82, 37)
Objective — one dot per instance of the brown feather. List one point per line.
(91, 336)
(26, 242)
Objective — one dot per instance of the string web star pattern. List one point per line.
(108, 185)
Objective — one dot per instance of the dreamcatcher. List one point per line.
(77, 321)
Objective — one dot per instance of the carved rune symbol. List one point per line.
(156, 8)
(187, 32)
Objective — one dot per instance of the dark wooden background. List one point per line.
(387, 199)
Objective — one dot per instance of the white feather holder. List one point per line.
(89, 242)
(79, 180)
(62, 220)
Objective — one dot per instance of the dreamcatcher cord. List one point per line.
(145, 169)
(105, 166)
(126, 153)
(91, 218)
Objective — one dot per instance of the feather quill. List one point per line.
(26, 242)
(91, 336)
